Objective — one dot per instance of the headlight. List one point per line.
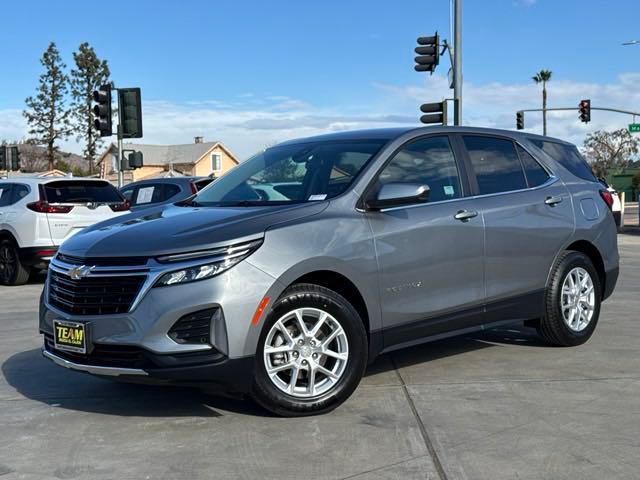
(220, 260)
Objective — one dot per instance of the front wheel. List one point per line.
(572, 301)
(312, 352)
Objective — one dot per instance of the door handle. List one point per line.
(464, 215)
(551, 201)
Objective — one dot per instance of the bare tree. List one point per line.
(610, 150)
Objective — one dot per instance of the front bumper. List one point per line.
(137, 346)
(209, 370)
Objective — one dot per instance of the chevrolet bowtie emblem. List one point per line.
(80, 272)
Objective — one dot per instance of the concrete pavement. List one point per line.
(500, 405)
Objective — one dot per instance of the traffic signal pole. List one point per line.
(120, 146)
(457, 62)
(603, 109)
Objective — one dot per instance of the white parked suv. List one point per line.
(38, 214)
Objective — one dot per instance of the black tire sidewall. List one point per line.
(14, 252)
(311, 296)
(555, 320)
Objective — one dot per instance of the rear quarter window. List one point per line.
(79, 191)
(5, 194)
(568, 156)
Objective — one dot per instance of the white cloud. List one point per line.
(495, 104)
(249, 123)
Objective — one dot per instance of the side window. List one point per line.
(148, 194)
(5, 194)
(495, 163)
(19, 192)
(169, 191)
(128, 194)
(536, 175)
(567, 156)
(429, 161)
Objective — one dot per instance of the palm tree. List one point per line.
(543, 76)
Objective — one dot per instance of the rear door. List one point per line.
(528, 217)
(87, 202)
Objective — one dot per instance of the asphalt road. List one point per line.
(500, 405)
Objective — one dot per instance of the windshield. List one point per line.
(291, 174)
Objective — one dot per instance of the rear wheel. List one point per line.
(12, 272)
(572, 301)
(312, 352)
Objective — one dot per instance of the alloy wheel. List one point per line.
(306, 352)
(578, 299)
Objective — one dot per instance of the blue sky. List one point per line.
(251, 73)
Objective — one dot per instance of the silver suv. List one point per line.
(285, 277)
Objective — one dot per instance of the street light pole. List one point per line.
(457, 62)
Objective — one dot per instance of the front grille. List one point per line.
(93, 295)
(194, 328)
(103, 262)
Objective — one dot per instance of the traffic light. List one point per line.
(520, 120)
(15, 159)
(131, 160)
(437, 113)
(130, 111)
(585, 111)
(3, 158)
(428, 54)
(135, 160)
(102, 111)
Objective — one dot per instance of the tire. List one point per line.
(555, 325)
(12, 271)
(323, 393)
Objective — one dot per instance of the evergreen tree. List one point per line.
(46, 114)
(89, 73)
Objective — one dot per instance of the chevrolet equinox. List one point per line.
(288, 275)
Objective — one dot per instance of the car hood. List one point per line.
(172, 229)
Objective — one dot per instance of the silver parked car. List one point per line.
(285, 277)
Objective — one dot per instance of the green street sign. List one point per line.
(634, 127)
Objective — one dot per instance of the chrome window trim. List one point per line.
(552, 179)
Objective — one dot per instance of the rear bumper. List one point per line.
(611, 279)
(233, 375)
(37, 257)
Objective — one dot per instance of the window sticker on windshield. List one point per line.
(317, 197)
(145, 195)
(448, 190)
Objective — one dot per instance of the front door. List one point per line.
(430, 255)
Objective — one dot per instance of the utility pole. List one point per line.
(457, 62)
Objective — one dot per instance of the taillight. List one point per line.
(607, 196)
(194, 189)
(121, 207)
(44, 207)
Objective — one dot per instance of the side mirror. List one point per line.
(398, 194)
